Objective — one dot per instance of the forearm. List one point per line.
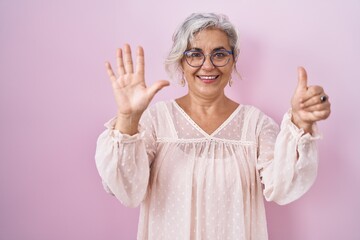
(292, 169)
(123, 164)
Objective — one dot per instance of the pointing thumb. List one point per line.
(302, 79)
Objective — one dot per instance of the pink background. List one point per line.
(55, 97)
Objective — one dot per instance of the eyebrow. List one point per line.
(199, 49)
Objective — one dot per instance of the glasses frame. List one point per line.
(211, 57)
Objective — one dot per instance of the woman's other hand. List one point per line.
(309, 103)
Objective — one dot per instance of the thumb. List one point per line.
(157, 86)
(302, 79)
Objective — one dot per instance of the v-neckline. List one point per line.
(202, 131)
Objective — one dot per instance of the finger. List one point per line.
(321, 115)
(110, 72)
(313, 94)
(157, 86)
(128, 63)
(302, 79)
(318, 107)
(140, 61)
(314, 100)
(120, 62)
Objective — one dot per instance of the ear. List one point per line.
(236, 54)
(235, 58)
(181, 64)
(235, 71)
(180, 69)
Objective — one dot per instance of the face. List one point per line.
(208, 81)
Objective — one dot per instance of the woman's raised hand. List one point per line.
(131, 94)
(309, 103)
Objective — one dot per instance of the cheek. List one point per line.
(230, 69)
(188, 71)
(185, 68)
(227, 71)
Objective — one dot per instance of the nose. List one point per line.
(208, 65)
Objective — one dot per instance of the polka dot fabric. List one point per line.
(194, 185)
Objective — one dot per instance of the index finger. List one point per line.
(313, 91)
(140, 61)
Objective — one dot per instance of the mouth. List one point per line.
(207, 78)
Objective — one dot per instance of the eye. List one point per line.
(220, 54)
(193, 54)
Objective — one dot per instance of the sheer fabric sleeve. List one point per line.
(123, 161)
(287, 160)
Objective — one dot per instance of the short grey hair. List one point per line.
(193, 24)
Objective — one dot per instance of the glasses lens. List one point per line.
(197, 58)
(220, 58)
(194, 58)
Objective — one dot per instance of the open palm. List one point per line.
(131, 94)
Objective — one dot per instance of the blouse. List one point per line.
(195, 185)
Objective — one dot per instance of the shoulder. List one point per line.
(252, 112)
(159, 107)
(256, 110)
(256, 117)
(158, 111)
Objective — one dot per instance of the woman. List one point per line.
(200, 165)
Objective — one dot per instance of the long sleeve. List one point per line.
(123, 161)
(287, 160)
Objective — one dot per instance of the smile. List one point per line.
(208, 78)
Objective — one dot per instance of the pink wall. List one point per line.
(55, 97)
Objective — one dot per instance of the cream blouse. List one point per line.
(192, 185)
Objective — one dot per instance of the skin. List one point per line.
(205, 101)
(306, 105)
(132, 96)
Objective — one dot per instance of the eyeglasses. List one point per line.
(218, 58)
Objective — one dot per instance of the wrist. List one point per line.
(298, 122)
(127, 123)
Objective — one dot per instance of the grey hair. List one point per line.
(193, 24)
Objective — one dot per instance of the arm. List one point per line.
(123, 161)
(123, 154)
(290, 170)
(287, 161)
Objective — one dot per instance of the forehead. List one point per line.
(209, 39)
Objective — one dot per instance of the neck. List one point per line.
(207, 106)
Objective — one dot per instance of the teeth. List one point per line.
(208, 77)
